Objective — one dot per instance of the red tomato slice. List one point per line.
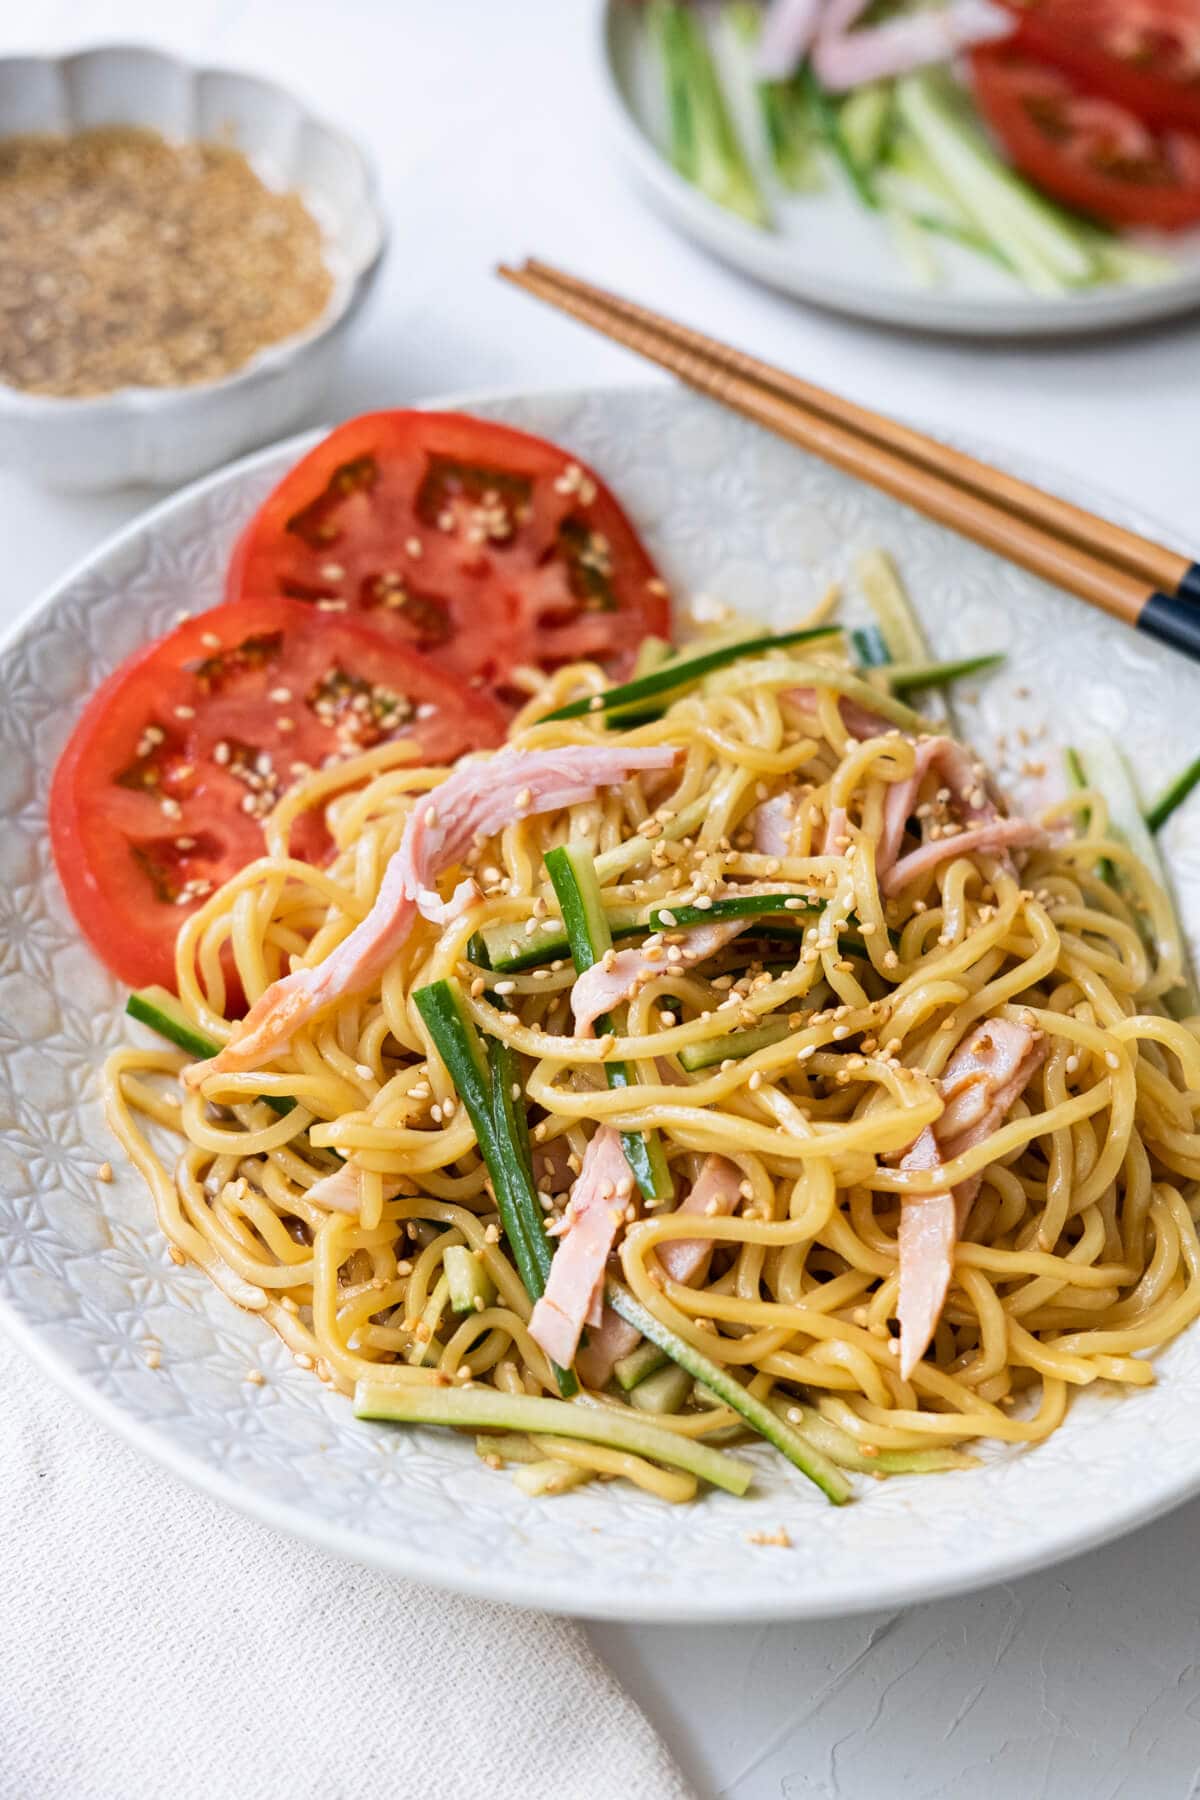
(159, 794)
(478, 545)
(1144, 54)
(1085, 150)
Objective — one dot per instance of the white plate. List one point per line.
(829, 250)
(85, 1281)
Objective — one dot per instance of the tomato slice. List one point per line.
(1144, 54)
(480, 546)
(160, 792)
(1085, 150)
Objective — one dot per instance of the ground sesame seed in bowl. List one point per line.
(130, 261)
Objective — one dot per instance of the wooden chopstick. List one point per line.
(1159, 566)
(716, 371)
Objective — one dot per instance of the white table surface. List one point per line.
(1082, 1684)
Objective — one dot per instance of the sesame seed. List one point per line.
(104, 1172)
(210, 640)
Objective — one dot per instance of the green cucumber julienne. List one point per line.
(1174, 797)
(487, 1409)
(158, 1008)
(686, 671)
(509, 949)
(573, 873)
(726, 1388)
(458, 1044)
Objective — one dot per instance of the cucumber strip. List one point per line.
(870, 648)
(1106, 770)
(728, 1391)
(864, 119)
(842, 1449)
(747, 906)
(828, 126)
(1174, 797)
(663, 1392)
(486, 1409)
(784, 110)
(1077, 779)
(1045, 251)
(426, 1350)
(733, 1046)
(158, 1008)
(545, 1475)
(685, 672)
(641, 1363)
(471, 1288)
(652, 653)
(509, 1447)
(458, 1044)
(911, 678)
(894, 612)
(573, 873)
(704, 145)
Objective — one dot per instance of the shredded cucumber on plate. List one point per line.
(911, 149)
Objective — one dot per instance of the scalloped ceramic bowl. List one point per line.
(168, 435)
(85, 1281)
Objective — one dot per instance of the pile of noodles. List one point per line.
(1080, 1251)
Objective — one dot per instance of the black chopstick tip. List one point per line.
(1189, 587)
(1174, 620)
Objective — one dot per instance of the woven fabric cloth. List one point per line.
(154, 1643)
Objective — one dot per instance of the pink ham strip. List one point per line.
(968, 790)
(686, 1260)
(858, 721)
(476, 801)
(338, 1192)
(984, 840)
(772, 824)
(589, 1229)
(611, 1340)
(714, 1193)
(848, 59)
(984, 1078)
(599, 989)
(787, 34)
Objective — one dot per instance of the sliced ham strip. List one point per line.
(589, 1230)
(788, 30)
(859, 722)
(607, 1343)
(992, 839)
(338, 1192)
(479, 798)
(849, 59)
(983, 1080)
(714, 1193)
(601, 988)
(837, 830)
(686, 1260)
(968, 790)
(772, 823)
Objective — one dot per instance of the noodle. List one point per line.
(1079, 1252)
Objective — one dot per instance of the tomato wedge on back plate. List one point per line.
(480, 546)
(159, 794)
(1085, 150)
(1144, 54)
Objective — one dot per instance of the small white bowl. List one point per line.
(168, 435)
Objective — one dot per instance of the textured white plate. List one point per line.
(84, 1278)
(828, 250)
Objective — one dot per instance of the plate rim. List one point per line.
(767, 259)
(531, 1590)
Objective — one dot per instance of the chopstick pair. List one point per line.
(1128, 576)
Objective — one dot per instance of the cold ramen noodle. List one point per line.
(715, 1058)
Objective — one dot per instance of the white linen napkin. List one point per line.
(154, 1643)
